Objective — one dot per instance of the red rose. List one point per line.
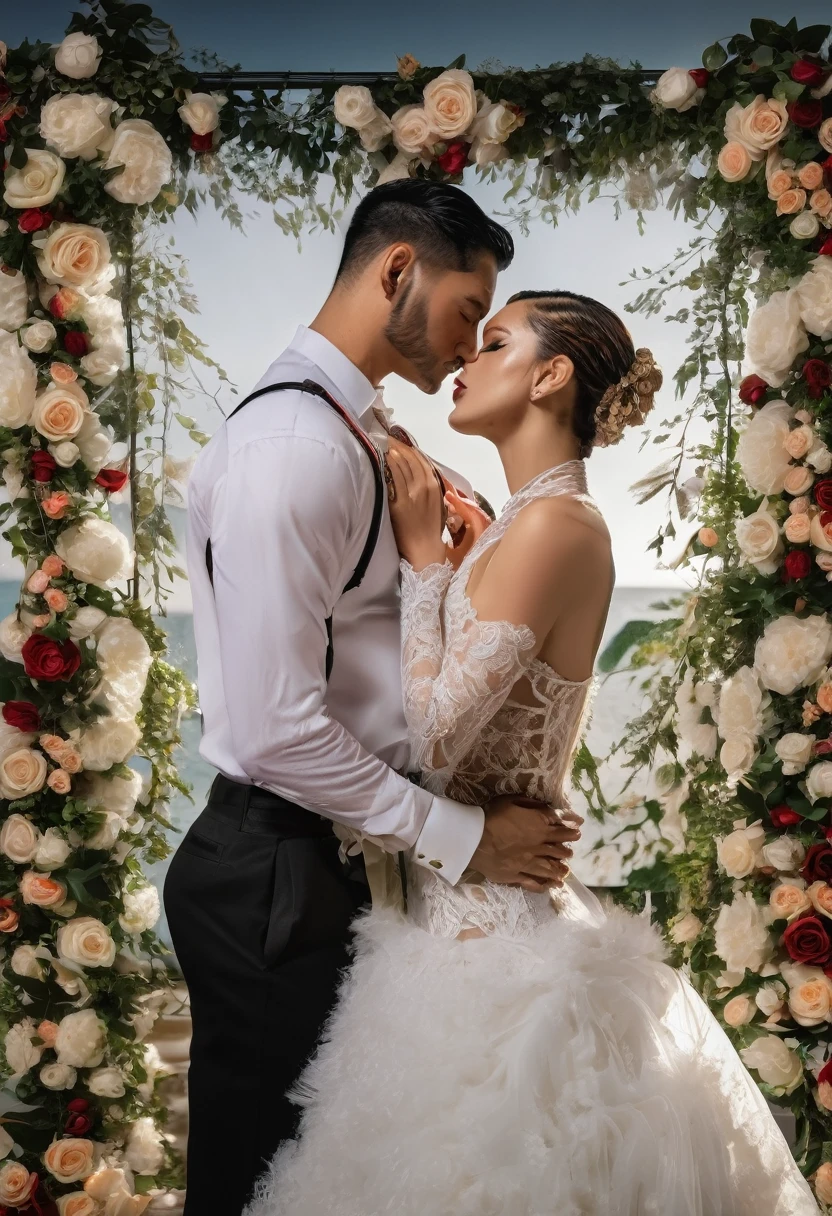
(806, 72)
(44, 465)
(4, 135)
(825, 1074)
(455, 159)
(818, 376)
(818, 864)
(805, 114)
(796, 564)
(783, 816)
(111, 480)
(826, 165)
(22, 714)
(822, 492)
(202, 143)
(33, 219)
(700, 77)
(79, 1105)
(46, 659)
(752, 390)
(822, 748)
(807, 940)
(77, 1125)
(77, 343)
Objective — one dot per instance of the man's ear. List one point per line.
(552, 376)
(397, 263)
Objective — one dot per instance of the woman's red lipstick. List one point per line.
(459, 387)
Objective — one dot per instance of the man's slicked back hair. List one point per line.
(443, 224)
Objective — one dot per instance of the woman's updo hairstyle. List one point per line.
(615, 383)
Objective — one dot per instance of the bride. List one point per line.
(507, 1050)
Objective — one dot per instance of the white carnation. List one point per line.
(21, 1053)
(58, 1076)
(141, 910)
(793, 652)
(107, 742)
(18, 382)
(742, 939)
(77, 124)
(81, 1039)
(106, 1082)
(14, 298)
(145, 1152)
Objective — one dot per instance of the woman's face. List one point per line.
(492, 393)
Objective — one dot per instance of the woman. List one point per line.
(518, 1051)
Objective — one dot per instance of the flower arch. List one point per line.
(104, 137)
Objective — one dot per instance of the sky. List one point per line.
(255, 289)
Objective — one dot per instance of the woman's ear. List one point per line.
(552, 376)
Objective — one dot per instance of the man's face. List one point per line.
(435, 320)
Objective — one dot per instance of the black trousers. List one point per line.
(259, 908)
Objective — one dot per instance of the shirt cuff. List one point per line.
(449, 838)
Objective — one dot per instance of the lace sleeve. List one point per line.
(453, 684)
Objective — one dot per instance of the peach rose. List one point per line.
(48, 1031)
(820, 896)
(451, 103)
(824, 698)
(823, 1182)
(796, 530)
(22, 772)
(821, 534)
(78, 1204)
(708, 537)
(56, 506)
(70, 760)
(810, 176)
(62, 373)
(779, 183)
(811, 1002)
(798, 480)
(9, 920)
(56, 599)
(739, 1011)
(40, 622)
(16, 1184)
(38, 583)
(412, 130)
(53, 566)
(59, 781)
(41, 890)
(60, 411)
(74, 255)
(791, 201)
(53, 745)
(759, 126)
(787, 901)
(798, 442)
(821, 203)
(70, 1160)
(800, 505)
(734, 162)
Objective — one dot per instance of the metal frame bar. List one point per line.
(246, 81)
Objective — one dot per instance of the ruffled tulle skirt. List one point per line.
(571, 1073)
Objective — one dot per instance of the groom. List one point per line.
(294, 573)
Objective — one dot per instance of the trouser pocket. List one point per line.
(313, 900)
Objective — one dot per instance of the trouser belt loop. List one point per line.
(246, 801)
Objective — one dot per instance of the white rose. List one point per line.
(37, 183)
(141, 910)
(377, 133)
(737, 754)
(804, 226)
(18, 382)
(793, 652)
(759, 540)
(39, 336)
(22, 772)
(19, 839)
(484, 154)
(101, 367)
(741, 704)
(52, 850)
(109, 741)
(87, 942)
(450, 103)
(21, 1053)
(145, 1152)
(769, 998)
(762, 457)
(14, 298)
(739, 852)
(686, 929)
(13, 635)
(734, 162)
(81, 1039)
(147, 161)
(77, 124)
(819, 781)
(108, 832)
(785, 854)
(820, 458)
(495, 122)
(739, 1011)
(354, 106)
(795, 751)
(25, 962)
(677, 90)
(58, 1076)
(94, 442)
(814, 296)
(775, 337)
(65, 453)
(412, 132)
(86, 621)
(95, 551)
(758, 126)
(78, 56)
(115, 794)
(75, 255)
(106, 1083)
(201, 111)
(775, 1064)
(105, 322)
(742, 939)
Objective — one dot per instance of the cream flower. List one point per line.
(734, 162)
(759, 540)
(95, 551)
(677, 90)
(87, 942)
(810, 1002)
(59, 411)
(78, 56)
(19, 839)
(797, 529)
(776, 1065)
(495, 121)
(798, 480)
(742, 939)
(21, 1053)
(377, 133)
(793, 652)
(739, 1011)
(805, 226)
(742, 704)
(737, 755)
(141, 910)
(38, 336)
(795, 751)
(14, 298)
(354, 106)
(78, 1204)
(201, 111)
(52, 850)
(77, 124)
(94, 442)
(788, 901)
(819, 781)
(450, 103)
(819, 896)
(396, 171)
(107, 742)
(37, 183)
(776, 336)
(81, 1039)
(146, 160)
(58, 1076)
(758, 126)
(785, 853)
(18, 382)
(101, 367)
(739, 853)
(74, 255)
(106, 1083)
(412, 132)
(13, 635)
(814, 296)
(25, 962)
(23, 772)
(145, 1152)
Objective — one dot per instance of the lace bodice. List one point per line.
(485, 717)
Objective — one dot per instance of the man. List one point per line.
(300, 683)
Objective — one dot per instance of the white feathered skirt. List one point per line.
(571, 1073)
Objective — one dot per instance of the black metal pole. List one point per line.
(245, 81)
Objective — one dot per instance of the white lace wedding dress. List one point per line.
(554, 1066)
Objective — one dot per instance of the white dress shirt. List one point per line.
(286, 493)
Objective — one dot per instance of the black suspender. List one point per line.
(309, 386)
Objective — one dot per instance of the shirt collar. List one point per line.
(351, 387)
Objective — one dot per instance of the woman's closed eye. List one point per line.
(492, 346)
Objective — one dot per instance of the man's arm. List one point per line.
(295, 516)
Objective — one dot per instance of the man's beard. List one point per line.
(407, 333)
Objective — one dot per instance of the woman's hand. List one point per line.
(417, 507)
(466, 523)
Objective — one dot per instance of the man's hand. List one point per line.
(526, 843)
